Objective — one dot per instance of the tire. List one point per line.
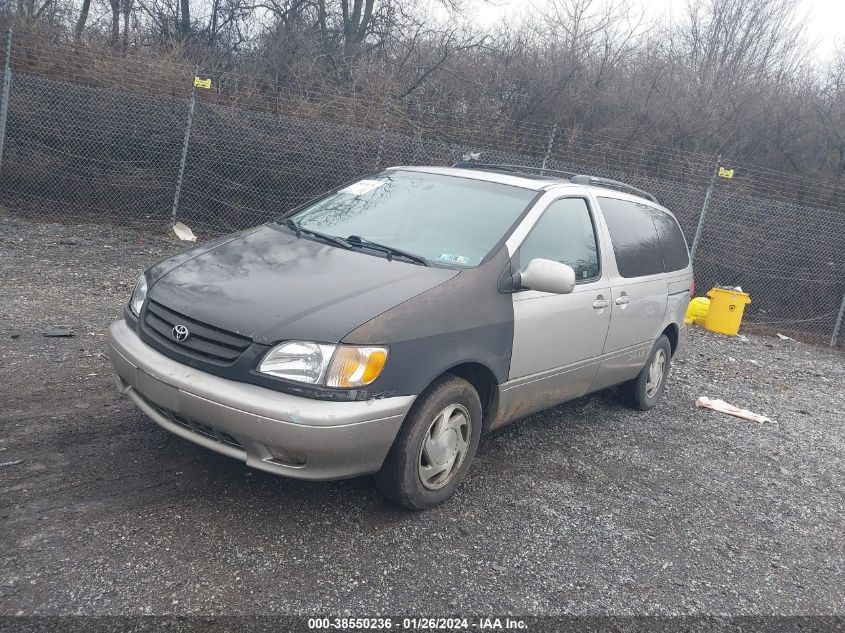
(639, 393)
(416, 453)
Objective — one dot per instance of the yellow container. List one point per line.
(697, 310)
(726, 308)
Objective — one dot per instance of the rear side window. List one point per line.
(675, 254)
(564, 233)
(634, 237)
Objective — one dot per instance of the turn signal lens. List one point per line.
(356, 366)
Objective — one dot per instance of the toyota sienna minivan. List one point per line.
(385, 326)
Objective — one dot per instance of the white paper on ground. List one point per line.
(184, 233)
(723, 407)
(362, 186)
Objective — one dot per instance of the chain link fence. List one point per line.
(97, 137)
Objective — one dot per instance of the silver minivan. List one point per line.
(385, 326)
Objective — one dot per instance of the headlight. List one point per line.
(138, 295)
(343, 366)
(298, 360)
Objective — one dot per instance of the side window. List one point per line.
(633, 236)
(675, 254)
(564, 233)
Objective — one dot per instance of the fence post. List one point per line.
(709, 194)
(549, 149)
(835, 337)
(185, 146)
(7, 89)
(384, 117)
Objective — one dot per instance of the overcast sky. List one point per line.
(825, 24)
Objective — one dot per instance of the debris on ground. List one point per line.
(58, 330)
(14, 463)
(184, 233)
(724, 407)
(784, 337)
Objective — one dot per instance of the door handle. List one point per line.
(621, 301)
(599, 304)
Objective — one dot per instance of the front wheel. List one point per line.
(644, 391)
(435, 446)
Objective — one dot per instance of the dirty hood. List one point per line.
(269, 285)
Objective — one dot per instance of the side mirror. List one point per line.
(546, 275)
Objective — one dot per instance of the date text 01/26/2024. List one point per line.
(411, 624)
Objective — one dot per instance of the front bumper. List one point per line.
(252, 423)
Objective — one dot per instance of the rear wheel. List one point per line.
(435, 446)
(644, 391)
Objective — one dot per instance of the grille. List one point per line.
(204, 341)
(201, 429)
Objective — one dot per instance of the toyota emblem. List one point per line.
(180, 333)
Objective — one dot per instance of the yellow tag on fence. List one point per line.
(202, 83)
(724, 173)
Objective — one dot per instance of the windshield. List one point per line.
(445, 219)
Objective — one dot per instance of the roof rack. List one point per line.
(596, 180)
(471, 164)
(578, 179)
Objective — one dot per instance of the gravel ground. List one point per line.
(587, 508)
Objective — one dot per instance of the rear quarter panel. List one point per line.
(678, 287)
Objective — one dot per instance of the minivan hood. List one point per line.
(270, 285)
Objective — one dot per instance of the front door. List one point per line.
(558, 339)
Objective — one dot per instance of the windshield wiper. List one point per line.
(391, 251)
(329, 239)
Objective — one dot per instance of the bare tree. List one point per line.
(127, 12)
(115, 22)
(80, 22)
(185, 18)
(33, 10)
(830, 110)
(726, 38)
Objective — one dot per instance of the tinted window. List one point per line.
(564, 233)
(634, 237)
(446, 219)
(675, 255)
